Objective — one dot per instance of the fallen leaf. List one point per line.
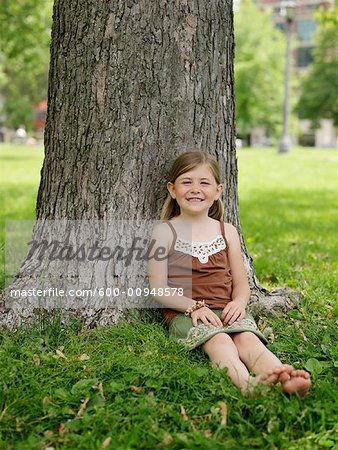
(17, 425)
(100, 387)
(84, 357)
(224, 413)
(167, 438)
(48, 434)
(130, 348)
(183, 413)
(46, 400)
(301, 332)
(207, 434)
(62, 429)
(206, 417)
(82, 406)
(36, 359)
(136, 388)
(106, 442)
(59, 354)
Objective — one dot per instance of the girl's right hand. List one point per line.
(207, 316)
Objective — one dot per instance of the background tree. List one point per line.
(131, 85)
(318, 93)
(259, 65)
(24, 40)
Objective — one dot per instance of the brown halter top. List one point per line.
(202, 269)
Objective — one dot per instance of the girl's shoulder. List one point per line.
(161, 233)
(228, 226)
(230, 232)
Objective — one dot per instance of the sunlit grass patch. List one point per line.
(130, 387)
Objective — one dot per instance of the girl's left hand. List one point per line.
(232, 312)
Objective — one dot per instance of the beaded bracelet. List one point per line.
(197, 305)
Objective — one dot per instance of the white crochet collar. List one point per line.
(200, 250)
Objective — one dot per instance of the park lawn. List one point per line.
(128, 387)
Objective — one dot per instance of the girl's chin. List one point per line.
(194, 211)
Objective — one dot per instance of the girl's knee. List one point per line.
(217, 340)
(245, 337)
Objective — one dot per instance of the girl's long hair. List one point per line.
(184, 163)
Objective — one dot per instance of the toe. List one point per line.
(300, 373)
(284, 368)
(283, 377)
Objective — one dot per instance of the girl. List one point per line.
(203, 283)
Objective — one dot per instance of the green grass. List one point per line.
(129, 387)
(19, 183)
(288, 207)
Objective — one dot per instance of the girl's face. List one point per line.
(195, 191)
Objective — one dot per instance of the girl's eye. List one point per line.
(205, 183)
(186, 182)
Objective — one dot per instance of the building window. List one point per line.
(304, 56)
(306, 28)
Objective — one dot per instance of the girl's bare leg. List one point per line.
(224, 354)
(269, 369)
(254, 354)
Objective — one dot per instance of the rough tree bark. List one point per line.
(131, 85)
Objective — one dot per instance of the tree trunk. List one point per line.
(132, 84)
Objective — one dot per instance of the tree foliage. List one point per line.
(24, 40)
(259, 64)
(318, 95)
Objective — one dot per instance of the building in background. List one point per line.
(304, 27)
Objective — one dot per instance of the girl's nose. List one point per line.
(195, 188)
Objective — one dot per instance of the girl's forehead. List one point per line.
(201, 171)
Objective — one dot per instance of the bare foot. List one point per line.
(284, 372)
(261, 383)
(279, 374)
(299, 383)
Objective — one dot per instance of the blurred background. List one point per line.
(299, 105)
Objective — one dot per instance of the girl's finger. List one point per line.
(229, 316)
(214, 322)
(239, 317)
(225, 312)
(226, 317)
(219, 322)
(205, 321)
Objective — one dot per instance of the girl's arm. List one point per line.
(158, 279)
(158, 270)
(235, 310)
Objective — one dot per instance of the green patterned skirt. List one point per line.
(182, 330)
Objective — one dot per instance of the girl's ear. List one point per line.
(219, 191)
(171, 189)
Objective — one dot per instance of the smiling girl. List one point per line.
(204, 264)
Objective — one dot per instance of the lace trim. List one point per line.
(200, 250)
